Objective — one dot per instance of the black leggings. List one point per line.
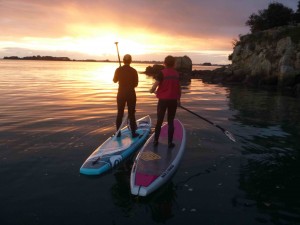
(131, 103)
(162, 106)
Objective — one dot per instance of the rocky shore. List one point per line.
(225, 76)
(266, 59)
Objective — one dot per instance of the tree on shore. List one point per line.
(274, 16)
(297, 14)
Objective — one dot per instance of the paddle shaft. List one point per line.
(118, 53)
(226, 132)
(202, 117)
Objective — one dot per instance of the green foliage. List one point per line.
(294, 34)
(296, 16)
(276, 15)
(235, 42)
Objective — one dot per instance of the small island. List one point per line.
(38, 57)
(55, 58)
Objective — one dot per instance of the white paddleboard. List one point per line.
(115, 149)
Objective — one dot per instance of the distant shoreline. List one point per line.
(67, 59)
(53, 58)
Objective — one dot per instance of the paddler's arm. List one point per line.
(116, 76)
(136, 79)
(158, 79)
(154, 86)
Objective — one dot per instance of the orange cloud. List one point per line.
(142, 27)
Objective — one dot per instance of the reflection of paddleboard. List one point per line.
(116, 149)
(155, 165)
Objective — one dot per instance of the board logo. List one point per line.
(115, 160)
(167, 171)
(148, 156)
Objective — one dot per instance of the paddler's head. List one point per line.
(169, 61)
(127, 59)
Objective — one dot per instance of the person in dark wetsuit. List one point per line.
(168, 94)
(128, 80)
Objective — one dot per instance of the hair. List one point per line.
(127, 59)
(169, 61)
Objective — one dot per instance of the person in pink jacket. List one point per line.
(168, 92)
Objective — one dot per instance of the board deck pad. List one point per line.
(116, 149)
(157, 161)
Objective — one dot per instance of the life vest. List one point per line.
(169, 87)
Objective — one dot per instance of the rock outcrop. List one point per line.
(153, 70)
(182, 64)
(270, 57)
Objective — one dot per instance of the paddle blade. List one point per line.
(230, 135)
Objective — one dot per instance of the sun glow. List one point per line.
(101, 46)
(89, 31)
(91, 42)
(100, 40)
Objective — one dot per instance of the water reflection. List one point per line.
(271, 125)
(64, 110)
(120, 191)
(160, 203)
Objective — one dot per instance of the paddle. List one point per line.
(116, 43)
(126, 117)
(226, 132)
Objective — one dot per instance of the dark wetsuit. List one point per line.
(128, 80)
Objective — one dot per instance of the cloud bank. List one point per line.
(201, 25)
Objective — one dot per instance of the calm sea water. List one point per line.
(54, 114)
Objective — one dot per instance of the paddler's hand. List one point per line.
(178, 103)
(152, 90)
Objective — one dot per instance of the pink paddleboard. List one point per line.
(155, 165)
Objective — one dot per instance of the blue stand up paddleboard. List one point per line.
(155, 165)
(116, 149)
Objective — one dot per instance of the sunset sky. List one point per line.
(149, 30)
